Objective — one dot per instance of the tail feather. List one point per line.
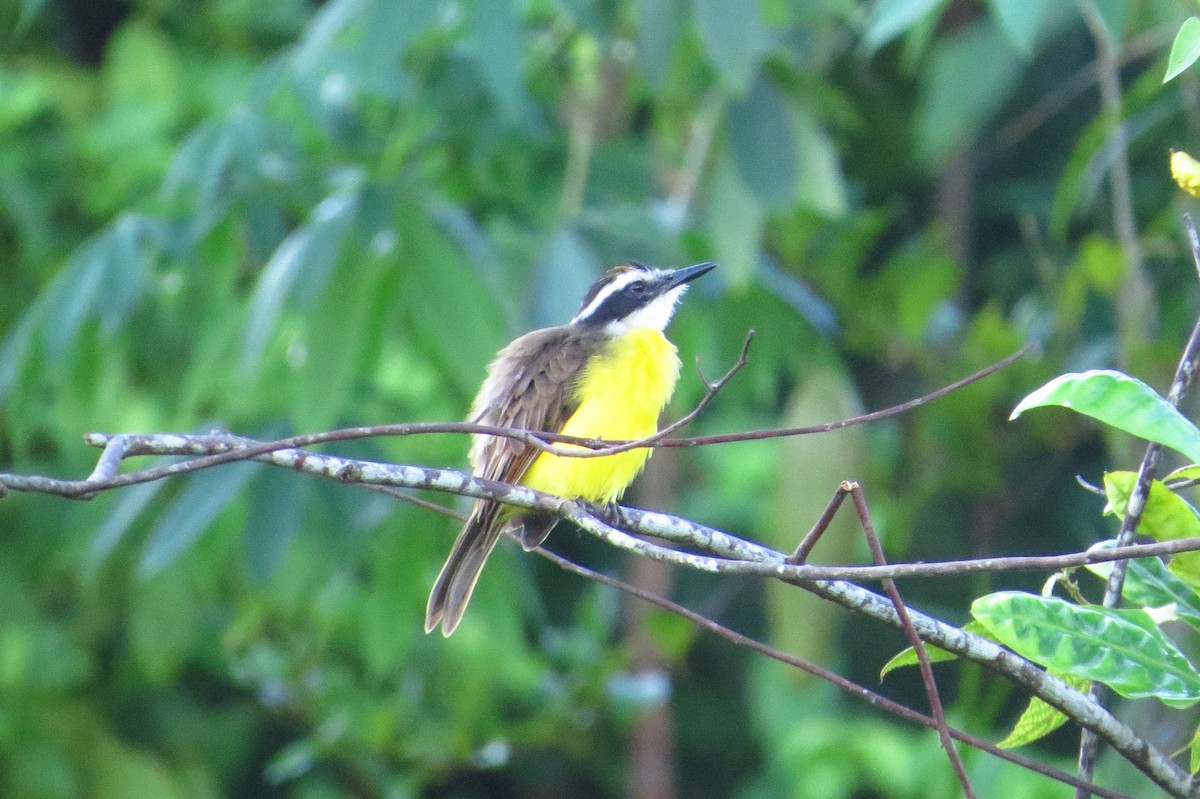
(452, 591)
(535, 528)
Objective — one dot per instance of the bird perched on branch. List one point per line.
(606, 374)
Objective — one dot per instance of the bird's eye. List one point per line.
(638, 288)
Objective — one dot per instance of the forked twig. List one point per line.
(854, 491)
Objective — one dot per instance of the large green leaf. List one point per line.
(734, 36)
(72, 296)
(891, 18)
(1185, 49)
(659, 26)
(207, 493)
(1019, 19)
(735, 224)
(822, 186)
(1150, 584)
(129, 506)
(308, 256)
(763, 144)
(278, 502)
(15, 348)
(1040, 719)
(1165, 517)
(1123, 649)
(498, 44)
(951, 108)
(908, 656)
(1119, 401)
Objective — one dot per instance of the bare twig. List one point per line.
(931, 690)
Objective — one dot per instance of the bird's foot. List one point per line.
(611, 513)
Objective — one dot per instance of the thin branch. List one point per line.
(876, 699)
(926, 668)
(737, 556)
(372, 475)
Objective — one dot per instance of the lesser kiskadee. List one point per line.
(607, 374)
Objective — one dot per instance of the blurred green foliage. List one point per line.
(289, 216)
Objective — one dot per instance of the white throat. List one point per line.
(654, 316)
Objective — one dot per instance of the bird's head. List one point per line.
(635, 296)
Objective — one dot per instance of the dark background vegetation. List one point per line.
(275, 216)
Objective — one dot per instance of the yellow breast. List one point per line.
(621, 395)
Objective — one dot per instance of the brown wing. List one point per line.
(530, 385)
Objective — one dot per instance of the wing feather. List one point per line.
(530, 385)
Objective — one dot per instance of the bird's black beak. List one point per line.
(687, 274)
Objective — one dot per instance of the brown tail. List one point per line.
(452, 591)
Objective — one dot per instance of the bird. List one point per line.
(606, 374)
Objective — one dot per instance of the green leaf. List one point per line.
(1189, 472)
(118, 771)
(309, 253)
(562, 274)
(16, 348)
(337, 342)
(890, 18)
(73, 295)
(908, 656)
(1166, 516)
(1019, 19)
(1185, 49)
(951, 109)
(763, 144)
(29, 11)
(1194, 746)
(498, 43)
(735, 224)
(1124, 649)
(734, 36)
(164, 625)
(389, 30)
(822, 186)
(1150, 584)
(1119, 401)
(123, 249)
(1040, 719)
(277, 508)
(206, 494)
(450, 314)
(659, 25)
(132, 501)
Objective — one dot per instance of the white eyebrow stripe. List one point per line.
(620, 282)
